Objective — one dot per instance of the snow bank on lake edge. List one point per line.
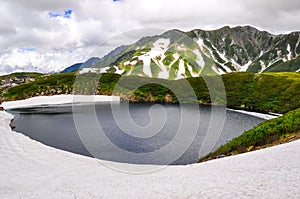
(30, 169)
(74, 99)
(58, 100)
(256, 114)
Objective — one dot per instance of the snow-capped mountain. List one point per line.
(176, 54)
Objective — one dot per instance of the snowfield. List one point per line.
(260, 115)
(30, 169)
(59, 100)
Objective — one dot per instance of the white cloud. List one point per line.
(61, 41)
(39, 61)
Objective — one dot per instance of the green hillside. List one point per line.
(275, 92)
(276, 131)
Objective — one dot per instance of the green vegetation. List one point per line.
(141, 52)
(21, 75)
(292, 65)
(44, 85)
(208, 44)
(187, 72)
(220, 67)
(218, 58)
(276, 92)
(265, 92)
(13, 79)
(168, 59)
(229, 65)
(268, 133)
(298, 49)
(138, 68)
(174, 69)
(154, 69)
(255, 67)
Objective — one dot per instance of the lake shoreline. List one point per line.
(76, 99)
(58, 100)
(60, 173)
(265, 116)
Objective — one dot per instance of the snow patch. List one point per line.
(159, 48)
(228, 70)
(30, 169)
(104, 70)
(199, 58)
(261, 53)
(222, 55)
(200, 44)
(146, 64)
(162, 43)
(260, 115)
(99, 70)
(279, 53)
(194, 74)
(176, 56)
(202, 47)
(118, 70)
(126, 63)
(235, 64)
(181, 70)
(89, 70)
(164, 70)
(246, 66)
(298, 43)
(288, 48)
(163, 74)
(58, 100)
(263, 65)
(218, 71)
(133, 62)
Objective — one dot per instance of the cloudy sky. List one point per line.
(49, 35)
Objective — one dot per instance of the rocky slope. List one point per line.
(176, 54)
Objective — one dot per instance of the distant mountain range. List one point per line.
(89, 63)
(176, 54)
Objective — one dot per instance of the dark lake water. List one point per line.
(144, 133)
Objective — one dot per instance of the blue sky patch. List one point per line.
(53, 15)
(26, 49)
(67, 14)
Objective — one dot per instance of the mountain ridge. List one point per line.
(176, 54)
(90, 62)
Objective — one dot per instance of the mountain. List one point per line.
(89, 63)
(176, 54)
(72, 68)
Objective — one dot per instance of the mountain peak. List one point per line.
(176, 54)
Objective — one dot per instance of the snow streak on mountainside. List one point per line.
(176, 54)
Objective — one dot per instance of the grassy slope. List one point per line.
(18, 75)
(44, 85)
(268, 133)
(276, 131)
(291, 65)
(14, 76)
(276, 92)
